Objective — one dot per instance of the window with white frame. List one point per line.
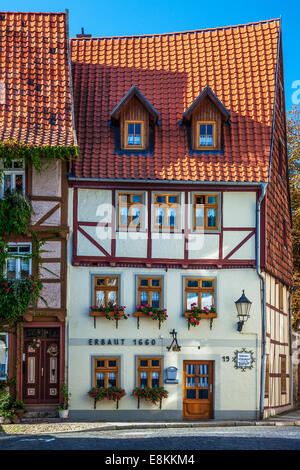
(3, 355)
(13, 177)
(18, 263)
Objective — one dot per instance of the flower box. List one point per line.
(201, 315)
(94, 313)
(111, 393)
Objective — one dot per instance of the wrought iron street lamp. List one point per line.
(243, 306)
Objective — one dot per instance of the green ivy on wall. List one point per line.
(13, 150)
(15, 213)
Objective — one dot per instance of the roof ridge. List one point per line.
(178, 32)
(33, 12)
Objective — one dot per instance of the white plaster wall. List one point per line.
(131, 244)
(232, 238)
(203, 246)
(166, 245)
(234, 390)
(94, 205)
(101, 235)
(48, 181)
(239, 208)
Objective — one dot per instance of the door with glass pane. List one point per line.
(198, 389)
(41, 365)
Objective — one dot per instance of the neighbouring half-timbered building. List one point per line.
(36, 114)
(178, 204)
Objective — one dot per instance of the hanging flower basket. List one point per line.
(196, 314)
(144, 311)
(110, 393)
(111, 312)
(154, 395)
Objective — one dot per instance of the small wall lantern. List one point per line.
(243, 306)
(171, 375)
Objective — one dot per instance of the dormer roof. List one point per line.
(134, 91)
(207, 92)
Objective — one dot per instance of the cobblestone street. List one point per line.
(234, 438)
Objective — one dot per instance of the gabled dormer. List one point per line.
(205, 119)
(133, 120)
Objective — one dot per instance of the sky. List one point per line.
(120, 18)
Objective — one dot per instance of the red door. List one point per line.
(41, 365)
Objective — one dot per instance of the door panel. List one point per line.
(41, 366)
(198, 389)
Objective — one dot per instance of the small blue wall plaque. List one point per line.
(171, 375)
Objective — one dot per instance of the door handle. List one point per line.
(42, 371)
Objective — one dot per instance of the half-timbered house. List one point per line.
(36, 113)
(180, 202)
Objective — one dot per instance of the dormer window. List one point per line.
(206, 138)
(133, 121)
(205, 120)
(134, 134)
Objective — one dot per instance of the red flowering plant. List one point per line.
(16, 295)
(103, 393)
(111, 311)
(196, 313)
(155, 395)
(159, 314)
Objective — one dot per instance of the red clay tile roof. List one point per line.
(238, 63)
(35, 99)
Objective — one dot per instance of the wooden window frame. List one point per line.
(149, 289)
(13, 172)
(149, 369)
(198, 290)
(283, 374)
(206, 207)
(126, 146)
(206, 147)
(18, 257)
(106, 369)
(166, 205)
(106, 288)
(131, 205)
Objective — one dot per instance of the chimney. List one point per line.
(83, 35)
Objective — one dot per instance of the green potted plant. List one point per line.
(19, 408)
(63, 409)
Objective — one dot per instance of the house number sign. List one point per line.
(243, 359)
(124, 342)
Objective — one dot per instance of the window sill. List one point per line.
(201, 315)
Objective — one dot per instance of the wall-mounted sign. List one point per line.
(124, 342)
(243, 359)
(171, 375)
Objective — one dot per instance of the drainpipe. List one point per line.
(263, 300)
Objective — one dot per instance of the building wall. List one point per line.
(278, 345)
(236, 393)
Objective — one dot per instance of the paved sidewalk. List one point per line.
(291, 418)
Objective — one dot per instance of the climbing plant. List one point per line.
(39, 156)
(15, 213)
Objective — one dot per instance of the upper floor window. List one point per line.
(106, 372)
(106, 290)
(130, 210)
(166, 211)
(206, 138)
(134, 134)
(199, 293)
(18, 263)
(149, 291)
(149, 372)
(13, 177)
(205, 211)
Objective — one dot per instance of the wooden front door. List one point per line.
(41, 365)
(198, 389)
